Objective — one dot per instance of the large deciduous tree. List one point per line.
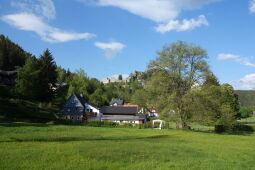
(177, 69)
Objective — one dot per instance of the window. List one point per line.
(72, 118)
(78, 118)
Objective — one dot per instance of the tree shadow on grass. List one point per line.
(75, 139)
(19, 124)
(240, 133)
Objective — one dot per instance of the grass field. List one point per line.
(41, 146)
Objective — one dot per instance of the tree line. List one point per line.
(178, 82)
(41, 79)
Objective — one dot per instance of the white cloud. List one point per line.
(31, 22)
(245, 83)
(156, 10)
(45, 8)
(163, 12)
(185, 25)
(111, 49)
(223, 56)
(242, 60)
(252, 6)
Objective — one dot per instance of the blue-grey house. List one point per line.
(76, 108)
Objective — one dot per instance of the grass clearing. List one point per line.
(41, 146)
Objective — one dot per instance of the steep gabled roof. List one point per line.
(75, 100)
(119, 110)
(80, 98)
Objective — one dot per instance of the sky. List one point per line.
(111, 37)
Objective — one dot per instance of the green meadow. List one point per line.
(41, 146)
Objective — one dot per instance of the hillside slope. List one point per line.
(246, 98)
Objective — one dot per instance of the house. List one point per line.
(122, 114)
(116, 102)
(77, 109)
(153, 112)
(8, 77)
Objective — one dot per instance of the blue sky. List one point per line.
(109, 37)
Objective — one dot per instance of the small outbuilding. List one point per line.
(160, 123)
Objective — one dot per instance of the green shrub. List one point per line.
(246, 112)
(128, 125)
(102, 124)
(221, 127)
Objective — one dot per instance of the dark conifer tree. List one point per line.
(47, 76)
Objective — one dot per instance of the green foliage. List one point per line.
(246, 98)
(98, 98)
(183, 88)
(27, 82)
(246, 112)
(140, 97)
(177, 68)
(93, 85)
(120, 77)
(210, 80)
(78, 84)
(123, 91)
(24, 110)
(220, 126)
(11, 54)
(47, 76)
(62, 75)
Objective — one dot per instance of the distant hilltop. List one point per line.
(135, 75)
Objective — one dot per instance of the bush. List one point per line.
(128, 125)
(221, 127)
(102, 124)
(246, 112)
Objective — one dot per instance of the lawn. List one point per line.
(42, 146)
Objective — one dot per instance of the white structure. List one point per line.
(161, 123)
(92, 109)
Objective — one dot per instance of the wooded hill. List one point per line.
(246, 98)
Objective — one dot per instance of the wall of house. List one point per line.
(122, 119)
(88, 106)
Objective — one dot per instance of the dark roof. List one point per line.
(74, 105)
(119, 110)
(117, 101)
(80, 98)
